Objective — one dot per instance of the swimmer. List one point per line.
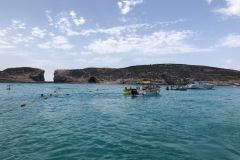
(8, 87)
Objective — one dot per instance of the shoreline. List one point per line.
(159, 74)
(109, 83)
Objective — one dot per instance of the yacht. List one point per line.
(199, 85)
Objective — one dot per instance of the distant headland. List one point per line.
(22, 74)
(173, 74)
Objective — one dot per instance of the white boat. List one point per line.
(151, 90)
(177, 88)
(199, 85)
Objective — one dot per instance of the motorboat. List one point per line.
(145, 90)
(199, 85)
(151, 90)
(176, 88)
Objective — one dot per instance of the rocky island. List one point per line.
(173, 74)
(22, 74)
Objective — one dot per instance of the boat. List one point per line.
(151, 90)
(144, 91)
(133, 91)
(199, 85)
(176, 88)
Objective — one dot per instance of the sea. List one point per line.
(92, 121)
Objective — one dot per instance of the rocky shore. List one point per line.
(173, 74)
(22, 74)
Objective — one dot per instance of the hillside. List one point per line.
(22, 74)
(158, 73)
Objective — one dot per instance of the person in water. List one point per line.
(8, 87)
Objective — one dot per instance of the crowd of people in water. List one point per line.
(42, 95)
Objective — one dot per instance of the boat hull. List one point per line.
(199, 85)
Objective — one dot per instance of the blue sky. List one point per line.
(118, 33)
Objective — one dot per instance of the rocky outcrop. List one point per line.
(159, 74)
(22, 74)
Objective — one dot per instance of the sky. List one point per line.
(76, 34)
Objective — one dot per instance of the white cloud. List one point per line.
(18, 24)
(77, 21)
(123, 19)
(51, 34)
(228, 61)
(105, 60)
(12, 30)
(126, 5)
(58, 42)
(232, 8)
(129, 29)
(15, 53)
(37, 32)
(73, 14)
(20, 38)
(209, 1)
(99, 61)
(5, 45)
(46, 45)
(85, 53)
(41, 63)
(115, 30)
(50, 19)
(63, 24)
(81, 60)
(70, 32)
(66, 22)
(231, 41)
(3, 32)
(167, 23)
(157, 43)
(151, 60)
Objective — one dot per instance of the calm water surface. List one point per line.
(99, 122)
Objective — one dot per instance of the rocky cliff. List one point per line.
(22, 74)
(158, 73)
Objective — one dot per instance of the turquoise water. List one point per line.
(99, 122)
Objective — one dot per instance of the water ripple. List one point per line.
(98, 122)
